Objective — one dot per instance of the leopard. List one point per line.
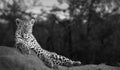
(26, 41)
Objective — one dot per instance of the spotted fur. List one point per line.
(25, 41)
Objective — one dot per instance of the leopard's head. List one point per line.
(25, 25)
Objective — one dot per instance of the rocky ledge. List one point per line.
(12, 59)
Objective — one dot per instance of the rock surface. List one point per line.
(12, 59)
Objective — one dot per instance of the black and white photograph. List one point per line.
(59, 34)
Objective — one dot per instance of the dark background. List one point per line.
(97, 41)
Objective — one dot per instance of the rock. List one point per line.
(12, 59)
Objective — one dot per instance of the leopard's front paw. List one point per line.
(23, 49)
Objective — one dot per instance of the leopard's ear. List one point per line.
(32, 21)
(18, 21)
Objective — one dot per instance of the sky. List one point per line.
(44, 7)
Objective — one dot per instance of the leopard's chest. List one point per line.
(26, 38)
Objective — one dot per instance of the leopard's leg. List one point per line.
(48, 62)
(23, 49)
